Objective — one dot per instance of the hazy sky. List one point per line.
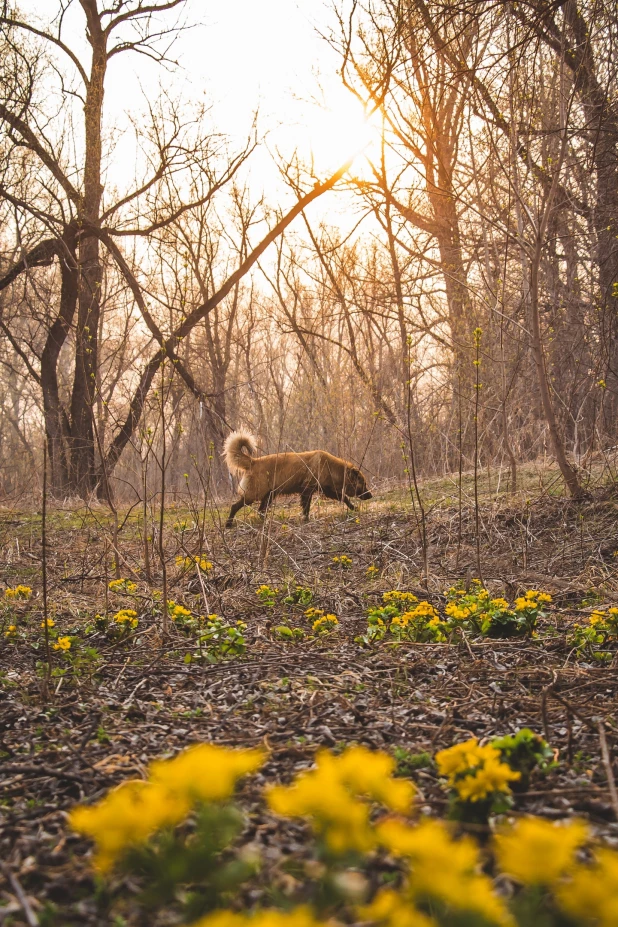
(241, 56)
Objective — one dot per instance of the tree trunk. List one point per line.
(83, 471)
(56, 423)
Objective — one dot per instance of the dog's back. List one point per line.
(289, 473)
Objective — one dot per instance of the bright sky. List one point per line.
(243, 56)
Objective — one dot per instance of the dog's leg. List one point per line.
(305, 501)
(237, 506)
(265, 503)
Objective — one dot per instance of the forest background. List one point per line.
(416, 247)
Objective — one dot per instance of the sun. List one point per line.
(338, 131)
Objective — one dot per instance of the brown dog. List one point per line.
(263, 478)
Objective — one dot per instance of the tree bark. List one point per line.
(57, 429)
(83, 471)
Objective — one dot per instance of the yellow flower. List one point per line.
(463, 757)
(63, 643)
(391, 908)
(320, 795)
(423, 610)
(12, 628)
(325, 623)
(597, 618)
(179, 611)
(18, 592)
(475, 771)
(372, 571)
(537, 851)
(126, 817)
(312, 613)
(493, 776)
(500, 603)
(457, 612)
(400, 599)
(297, 917)
(132, 813)
(592, 891)
(443, 868)
(206, 772)
(50, 623)
(328, 794)
(126, 616)
(122, 585)
(521, 604)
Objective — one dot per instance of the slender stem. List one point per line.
(147, 570)
(419, 500)
(44, 571)
(477, 390)
(460, 450)
(162, 505)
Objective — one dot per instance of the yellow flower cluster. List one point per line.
(298, 917)
(422, 610)
(313, 613)
(123, 585)
(63, 643)
(597, 618)
(440, 873)
(50, 623)
(393, 909)
(537, 852)
(329, 796)
(399, 599)
(474, 771)
(177, 611)
(459, 613)
(604, 620)
(136, 810)
(343, 561)
(17, 592)
(372, 571)
(126, 617)
(325, 623)
(11, 630)
(592, 891)
(187, 563)
(442, 869)
(532, 599)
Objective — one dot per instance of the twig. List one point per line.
(131, 697)
(117, 680)
(609, 772)
(45, 771)
(31, 917)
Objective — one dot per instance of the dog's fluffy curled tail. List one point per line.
(238, 450)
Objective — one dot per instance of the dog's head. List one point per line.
(356, 484)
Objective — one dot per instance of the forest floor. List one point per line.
(115, 701)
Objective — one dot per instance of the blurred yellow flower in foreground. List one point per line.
(536, 851)
(136, 810)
